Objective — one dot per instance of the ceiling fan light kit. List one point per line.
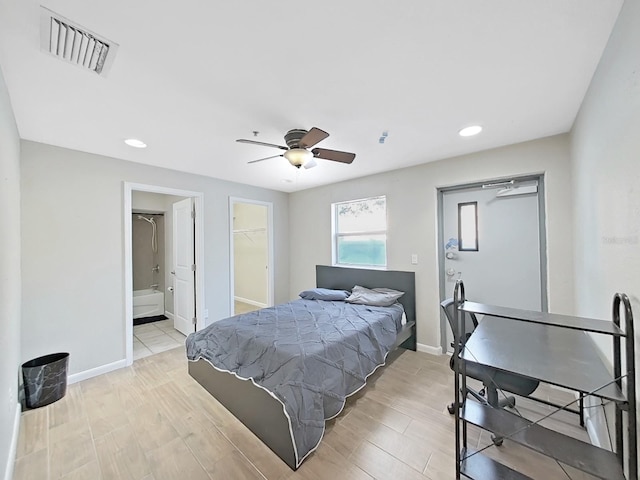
(298, 156)
(298, 142)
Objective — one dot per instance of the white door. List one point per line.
(183, 267)
(506, 267)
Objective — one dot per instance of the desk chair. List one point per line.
(491, 378)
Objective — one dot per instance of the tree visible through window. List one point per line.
(360, 232)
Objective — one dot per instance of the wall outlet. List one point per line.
(206, 313)
(414, 258)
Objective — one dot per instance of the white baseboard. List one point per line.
(250, 302)
(429, 349)
(13, 446)
(169, 315)
(595, 422)
(94, 372)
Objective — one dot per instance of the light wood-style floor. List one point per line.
(151, 421)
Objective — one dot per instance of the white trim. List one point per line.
(270, 248)
(589, 425)
(250, 302)
(169, 315)
(13, 445)
(94, 372)
(198, 202)
(429, 349)
(595, 422)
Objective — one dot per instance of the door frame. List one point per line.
(270, 287)
(198, 202)
(542, 232)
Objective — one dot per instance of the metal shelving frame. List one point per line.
(503, 424)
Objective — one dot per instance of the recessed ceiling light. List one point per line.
(134, 142)
(470, 131)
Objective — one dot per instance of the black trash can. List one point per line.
(45, 379)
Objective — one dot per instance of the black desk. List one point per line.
(554, 349)
(564, 321)
(558, 356)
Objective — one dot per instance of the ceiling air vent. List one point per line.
(75, 44)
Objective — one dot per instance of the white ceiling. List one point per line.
(190, 77)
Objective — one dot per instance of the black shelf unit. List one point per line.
(531, 347)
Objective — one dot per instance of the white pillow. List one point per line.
(377, 297)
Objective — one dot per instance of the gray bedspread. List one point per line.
(309, 354)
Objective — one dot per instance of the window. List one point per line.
(468, 226)
(360, 232)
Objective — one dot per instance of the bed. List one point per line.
(287, 411)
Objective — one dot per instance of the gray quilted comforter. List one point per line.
(309, 354)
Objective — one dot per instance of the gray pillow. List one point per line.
(324, 294)
(377, 297)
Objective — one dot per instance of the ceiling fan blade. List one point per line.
(266, 158)
(312, 137)
(335, 155)
(310, 164)
(253, 142)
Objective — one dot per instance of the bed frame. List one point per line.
(262, 413)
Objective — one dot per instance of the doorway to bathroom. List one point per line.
(251, 255)
(163, 284)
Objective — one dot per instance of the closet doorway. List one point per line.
(251, 242)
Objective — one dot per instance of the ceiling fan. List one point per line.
(297, 150)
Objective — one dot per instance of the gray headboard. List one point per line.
(345, 279)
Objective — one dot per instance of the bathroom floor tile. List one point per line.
(152, 338)
(165, 325)
(140, 351)
(146, 337)
(177, 336)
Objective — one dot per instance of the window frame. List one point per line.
(336, 235)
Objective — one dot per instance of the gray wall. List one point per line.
(9, 277)
(412, 220)
(73, 255)
(605, 157)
